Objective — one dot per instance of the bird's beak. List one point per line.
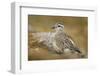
(53, 27)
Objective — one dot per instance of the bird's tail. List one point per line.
(76, 49)
(80, 53)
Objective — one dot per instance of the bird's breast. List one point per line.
(54, 42)
(55, 46)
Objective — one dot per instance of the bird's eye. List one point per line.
(58, 26)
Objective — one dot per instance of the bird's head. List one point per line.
(58, 27)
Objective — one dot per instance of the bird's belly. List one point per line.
(55, 46)
(66, 50)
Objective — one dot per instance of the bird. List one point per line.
(61, 41)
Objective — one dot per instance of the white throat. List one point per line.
(59, 30)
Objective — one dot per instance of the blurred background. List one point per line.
(76, 27)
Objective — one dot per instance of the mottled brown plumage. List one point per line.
(62, 41)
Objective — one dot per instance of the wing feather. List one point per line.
(64, 41)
